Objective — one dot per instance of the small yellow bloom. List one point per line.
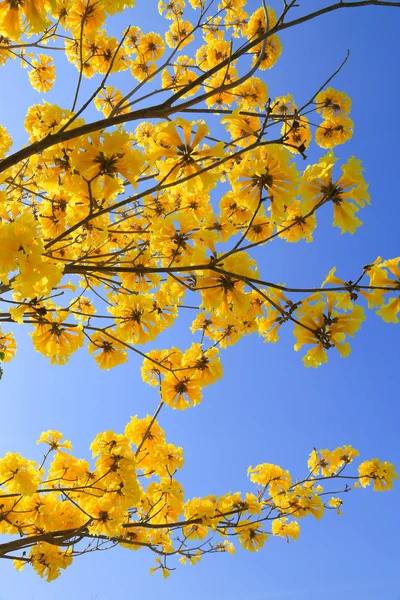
(282, 528)
(53, 439)
(8, 346)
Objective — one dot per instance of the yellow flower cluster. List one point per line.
(130, 213)
(337, 127)
(110, 230)
(66, 500)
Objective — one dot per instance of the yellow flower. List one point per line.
(108, 353)
(12, 15)
(151, 46)
(182, 154)
(19, 475)
(213, 53)
(8, 346)
(301, 502)
(57, 340)
(296, 134)
(106, 155)
(282, 528)
(257, 23)
(166, 461)
(333, 131)
(5, 141)
(204, 366)
(251, 536)
(135, 318)
(43, 73)
(132, 40)
(65, 467)
(273, 50)
(212, 30)
(270, 475)
(256, 26)
(81, 308)
(165, 570)
(172, 8)
(265, 173)
(348, 193)
(86, 14)
(336, 503)
(45, 119)
(107, 99)
(180, 32)
(253, 93)
(382, 474)
(158, 363)
(330, 102)
(136, 429)
(107, 515)
(141, 69)
(389, 311)
(52, 438)
(284, 106)
(243, 128)
(320, 324)
(180, 393)
(181, 76)
(224, 293)
(48, 559)
(330, 462)
(297, 226)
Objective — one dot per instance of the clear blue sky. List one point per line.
(268, 407)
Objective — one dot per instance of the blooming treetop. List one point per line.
(110, 226)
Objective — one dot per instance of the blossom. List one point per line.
(348, 193)
(180, 393)
(270, 475)
(108, 352)
(8, 346)
(296, 134)
(252, 93)
(180, 32)
(280, 527)
(137, 429)
(5, 141)
(15, 16)
(107, 154)
(251, 536)
(381, 473)
(151, 46)
(330, 102)
(333, 131)
(266, 173)
(57, 340)
(48, 559)
(330, 462)
(182, 154)
(320, 325)
(19, 475)
(243, 128)
(86, 14)
(43, 74)
(107, 99)
(53, 439)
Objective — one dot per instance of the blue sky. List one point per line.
(268, 407)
